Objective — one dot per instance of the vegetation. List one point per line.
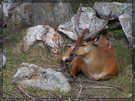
(42, 57)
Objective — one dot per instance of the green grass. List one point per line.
(42, 57)
(123, 50)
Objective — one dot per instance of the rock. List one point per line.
(2, 60)
(88, 20)
(41, 13)
(30, 75)
(8, 9)
(22, 14)
(103, 9)
(121, 11)
(44, 33)
(126, 23)
(51, 13)
(1, 16)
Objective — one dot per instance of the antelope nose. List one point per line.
(66, 59)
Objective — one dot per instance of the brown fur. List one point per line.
(102, 60)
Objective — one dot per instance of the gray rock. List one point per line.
(121, 11)
(30, 75)
(1, 15)
(88, 19)
(126, 23)
(8, 10)
(103, 9)
(51, 13)
(2, 60)
(22, 14)
(43, 13)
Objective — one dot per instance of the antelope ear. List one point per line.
(82, 50)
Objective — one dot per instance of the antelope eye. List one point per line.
(71, 54)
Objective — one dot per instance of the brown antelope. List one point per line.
(97, 62)
(95, 59)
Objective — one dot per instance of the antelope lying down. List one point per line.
(96, 60)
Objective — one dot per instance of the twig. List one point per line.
(98, 87)
(104, 84)
(22, 90)
(81, 88)
(107, 85)
(114, 86)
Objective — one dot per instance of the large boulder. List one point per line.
(103, 9)
(31, 75)
(22, 14)
(51, 13)
(120, 11)
(43, 33)
(88, 19)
